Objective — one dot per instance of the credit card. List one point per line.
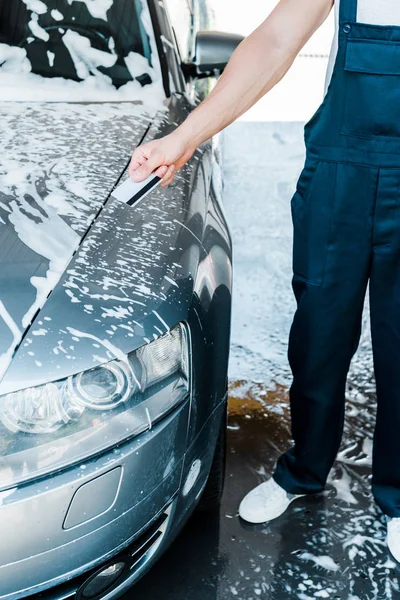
(130, 192)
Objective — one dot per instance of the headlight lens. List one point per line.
(100, 389)
(60, 423)
(162, 358)
(47, 408)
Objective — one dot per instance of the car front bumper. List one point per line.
(55, 529)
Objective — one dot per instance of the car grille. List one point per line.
(135, 556)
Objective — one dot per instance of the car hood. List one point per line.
(86, 278)
(58, 165)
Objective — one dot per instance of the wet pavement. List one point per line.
(328, 546)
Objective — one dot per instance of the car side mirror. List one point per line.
(213, 50)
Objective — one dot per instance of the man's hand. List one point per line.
(163, 157)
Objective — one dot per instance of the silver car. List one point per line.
(114, 317)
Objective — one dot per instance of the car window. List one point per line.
(77, 40)
(181, 17)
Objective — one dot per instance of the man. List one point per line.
(346, 216)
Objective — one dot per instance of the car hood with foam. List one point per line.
(58, 165)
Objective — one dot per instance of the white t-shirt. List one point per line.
(376, 12)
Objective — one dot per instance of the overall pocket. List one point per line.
(311, 207)
(372, 96)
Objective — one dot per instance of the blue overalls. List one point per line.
(346, 216)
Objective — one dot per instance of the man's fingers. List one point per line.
(144, 170)
(169, 176)
(170, 172)
(138, 158)
(153, 158)
(161, 172)
(134, 164)
(141, 172)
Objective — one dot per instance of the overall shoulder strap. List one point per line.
(347, 10)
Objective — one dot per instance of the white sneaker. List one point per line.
(266, 502)
(393, 537)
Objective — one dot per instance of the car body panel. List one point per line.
(55, 175)
(181, 506)
(41, 507)
(130, 280)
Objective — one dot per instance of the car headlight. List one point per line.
(63, 422)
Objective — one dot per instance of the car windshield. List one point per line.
(85, 49)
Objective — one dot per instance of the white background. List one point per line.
(299, 94)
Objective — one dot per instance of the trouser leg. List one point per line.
(385, 327)
(327, 323)
(323, 339)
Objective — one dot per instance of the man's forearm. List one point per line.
(256, 66)
(248, 76)
(258, 63)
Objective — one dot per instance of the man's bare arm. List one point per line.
(256, 66)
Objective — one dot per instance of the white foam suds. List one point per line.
(85, 58)
(358, 541)
(13, 60)
(95, 85)
(41, 229)
(36, 6)
(342, 484)
(36, 29)
(114, 351)
(51, 56)
(192, 477)
(57, 16)
(161, 320)
(49, 197)
(171, 281)
(325, 562)
(117, 312)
